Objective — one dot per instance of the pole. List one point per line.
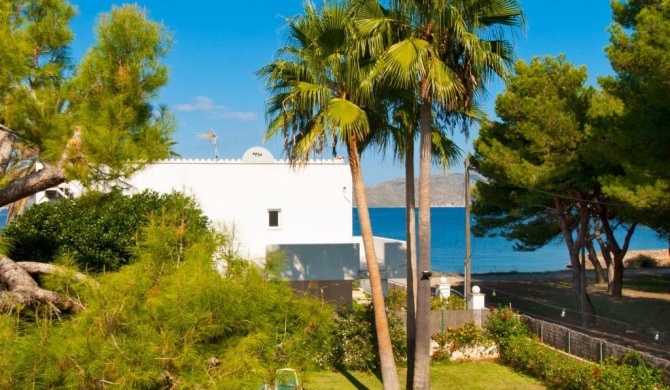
(583, 281)
(467, 229)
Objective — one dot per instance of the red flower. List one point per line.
(509, 309)
(492, 308)
(572, 370)
(505, 316)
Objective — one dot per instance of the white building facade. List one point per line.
(261, 200)
(267, 205)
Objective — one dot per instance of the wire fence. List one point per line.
(586, 346)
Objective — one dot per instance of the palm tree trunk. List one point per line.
(422, 355)
(410, 237)
(388, 367)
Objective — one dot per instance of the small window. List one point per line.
(274, 220)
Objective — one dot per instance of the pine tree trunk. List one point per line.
(422, 355)
(47, 177)
(597, 267)
(410, 234)
(588, 311)
(22, 288)
(388, 367)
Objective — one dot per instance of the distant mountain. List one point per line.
(448, 190)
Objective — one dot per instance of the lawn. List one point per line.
(453, 376)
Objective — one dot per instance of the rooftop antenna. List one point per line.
(213, 139)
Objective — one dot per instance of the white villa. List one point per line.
(305, 212)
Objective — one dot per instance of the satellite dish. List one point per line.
(258, 155)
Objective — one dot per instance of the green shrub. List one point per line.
(525, 353)
(397, 299)
(96, 230)
(168, 320)
(504, 323)
(469, 335)
(355, 340)
(453, 302)
(561, 371)
(642, 261)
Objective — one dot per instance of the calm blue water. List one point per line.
(488, 254)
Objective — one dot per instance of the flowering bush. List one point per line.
(561, 371)
(469, 335)
(503, 323)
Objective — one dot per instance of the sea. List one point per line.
(489, 254)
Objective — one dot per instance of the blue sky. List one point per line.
(218, 45)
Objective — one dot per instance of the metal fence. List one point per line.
(586, 346)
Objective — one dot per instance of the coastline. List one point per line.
(661, 256)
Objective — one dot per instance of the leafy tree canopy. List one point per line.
(533, 152)
(639, 49)
(89, 121)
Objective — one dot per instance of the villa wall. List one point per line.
(313, 201)
(391, 257)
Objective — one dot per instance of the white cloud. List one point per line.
(202, 103)
(206, 104)
(240, 116)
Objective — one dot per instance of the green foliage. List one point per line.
(355, 340)
(525, 353)
(91, 121)
(642, 261)
(468, 336)
(639, 136)
(396, 299)
(97, 230)
(534, 151)
(169, 319)
(561, 371)
(504, 323)
(453, 302)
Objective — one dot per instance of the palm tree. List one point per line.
(321, 93)
(449, 50)
(399, 136)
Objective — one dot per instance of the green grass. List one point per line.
(452, 376)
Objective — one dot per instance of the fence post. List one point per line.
(600, 343)
(442, 325)
(568, 342)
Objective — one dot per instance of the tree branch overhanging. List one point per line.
(22, 289)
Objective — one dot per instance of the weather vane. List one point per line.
(213, 139)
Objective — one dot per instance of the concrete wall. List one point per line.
(330, 291)
(314, 201)
(316, 262)
(391, 257)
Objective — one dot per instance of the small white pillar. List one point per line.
(444, 288)
(476, 299)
